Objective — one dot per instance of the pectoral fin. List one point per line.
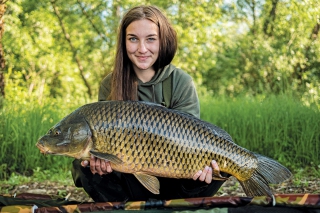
(148, 181)
(112, 158)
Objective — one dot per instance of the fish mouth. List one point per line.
(44, 150)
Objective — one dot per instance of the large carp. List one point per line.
(149, 140)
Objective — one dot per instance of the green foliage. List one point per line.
(268, 53)
(229, 47)
(280, 127)
(39, 56)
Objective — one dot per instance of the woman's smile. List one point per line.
(142, 58)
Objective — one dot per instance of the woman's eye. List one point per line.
(133, 39)
(151, 39)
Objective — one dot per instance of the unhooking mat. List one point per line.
(282, 203)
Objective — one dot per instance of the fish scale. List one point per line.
(149, 140)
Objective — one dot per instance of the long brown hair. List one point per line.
(124, 80)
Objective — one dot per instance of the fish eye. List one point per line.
(57, 132)
(54, 132)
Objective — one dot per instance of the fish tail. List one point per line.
(267, 171)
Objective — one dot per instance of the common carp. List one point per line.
(149, 140)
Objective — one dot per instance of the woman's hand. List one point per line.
(206, 174)
(98, 165)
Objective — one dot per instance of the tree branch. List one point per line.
(75, 56)
(301, 68)
(269, 21)
(252, 5)
(102, 35)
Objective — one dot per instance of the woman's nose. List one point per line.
(142, 47)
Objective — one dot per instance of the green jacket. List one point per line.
(183, 98)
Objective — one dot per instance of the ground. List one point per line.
(231, 187)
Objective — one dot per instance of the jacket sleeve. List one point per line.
(105, 88)
(184, 94)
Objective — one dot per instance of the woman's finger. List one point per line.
(93, 164)
(215, 166)
(197, 175)
(103, 166)
(204, 173)
(209, 176)
(108, 165)
(84, 163)
(216, 170)
(98, 166)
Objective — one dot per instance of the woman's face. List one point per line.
(142, 44)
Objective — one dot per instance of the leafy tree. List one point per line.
(63, 49)
(272, 47)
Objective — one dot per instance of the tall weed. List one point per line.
(277, 126)
(21, 126)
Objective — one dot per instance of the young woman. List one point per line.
(146, 46)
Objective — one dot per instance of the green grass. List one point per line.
(277, 126)
(21, 126)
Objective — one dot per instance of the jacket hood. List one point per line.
(160, 76)
(152, 91)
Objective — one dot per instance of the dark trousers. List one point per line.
(118, 186)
